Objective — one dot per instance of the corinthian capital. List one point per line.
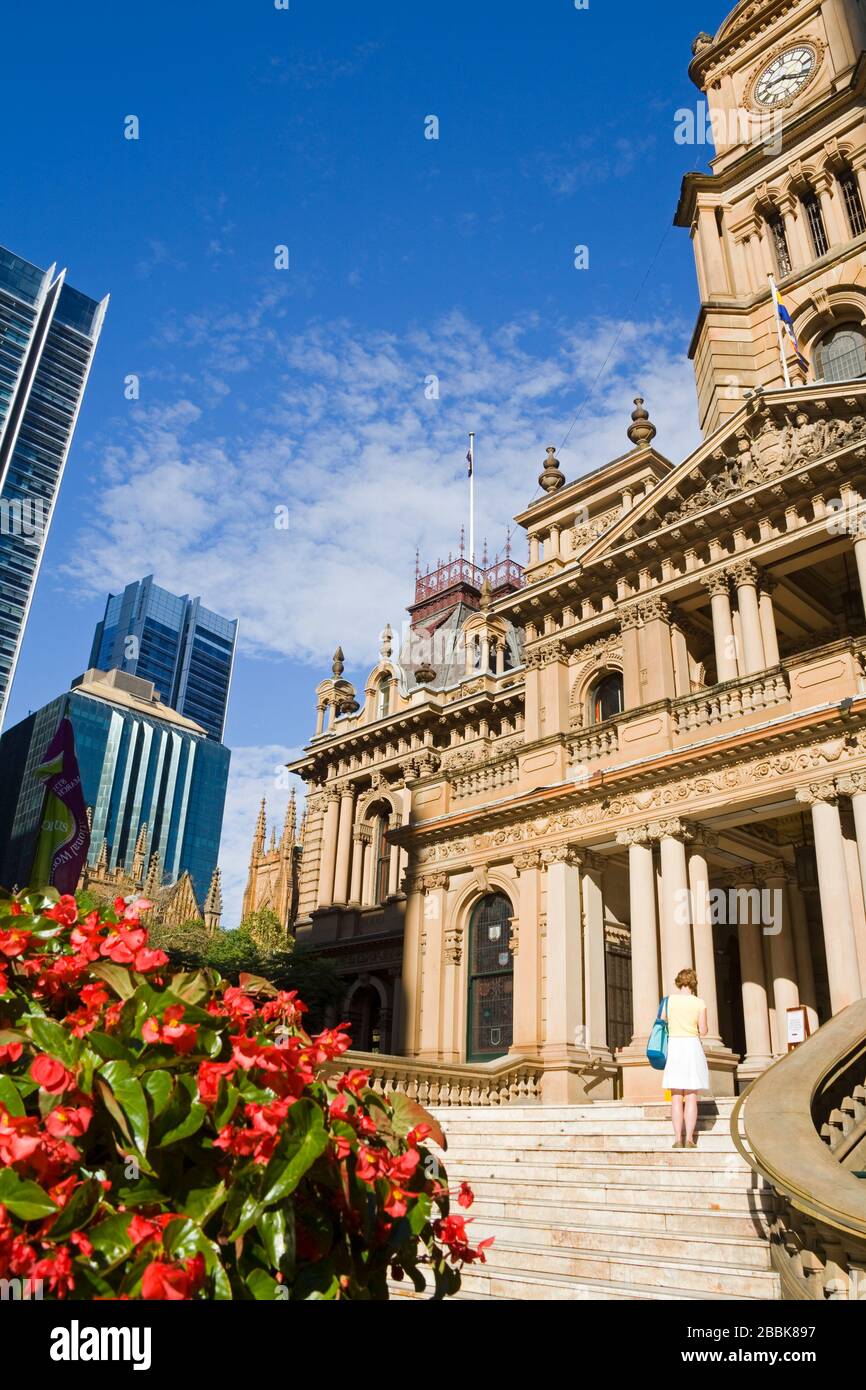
(560, 854)
(526, 860)
(635, 835)
(652, 608)
(673, 829)
(628, 616)
(771, 869)
(745, 573)
(852, 784)
(716, 583)
(817, 792)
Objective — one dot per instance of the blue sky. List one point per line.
(304, 388)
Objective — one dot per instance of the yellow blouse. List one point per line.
(684, 1010)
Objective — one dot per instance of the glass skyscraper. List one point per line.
(48, 333)
(142, 764)
(172, 640)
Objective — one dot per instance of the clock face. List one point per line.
(786, 76)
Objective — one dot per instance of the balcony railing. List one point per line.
(506, 1081)
(732, 700)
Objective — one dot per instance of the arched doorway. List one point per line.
(364, 1014)
(491, 979)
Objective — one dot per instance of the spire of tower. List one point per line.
(213, 907)
(138, 857)
(290, 823)
(153, 882)
(260, 831)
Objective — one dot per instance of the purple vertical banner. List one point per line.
(64, 836)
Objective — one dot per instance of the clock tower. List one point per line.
(784, 83)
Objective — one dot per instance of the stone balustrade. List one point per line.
(598, 741)
(507, 1081)
(485, 778)
(732, 700)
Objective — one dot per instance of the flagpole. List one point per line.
(775, 294)
(471, 498)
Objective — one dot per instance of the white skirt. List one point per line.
(686, 1068)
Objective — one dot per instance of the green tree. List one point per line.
(266, 930)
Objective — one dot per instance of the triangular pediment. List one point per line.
(770, 438)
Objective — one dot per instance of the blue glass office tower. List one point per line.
(142, 764)
(48, 334)
(183, 648)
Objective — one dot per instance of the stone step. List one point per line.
(629, 1187)
(743, 1252)
(697, 1276)
(550, 1163)
(647, 1137)
(482, 1284)
(476, 1130)
(716, 1169)
(667, 1219)
(597, 1110)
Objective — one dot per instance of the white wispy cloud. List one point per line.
(256, 773)
(337, 432)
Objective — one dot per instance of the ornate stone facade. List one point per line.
(671, 769)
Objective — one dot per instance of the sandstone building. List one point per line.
(667, 706)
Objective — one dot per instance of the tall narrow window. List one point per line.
(382, 861)
(817, 230)
(780, 246)
(853, 204)
(383, 700)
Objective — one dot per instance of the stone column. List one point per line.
(644, 942)
(860, 557)
(656, 649)
(773, 876)
(631, 686)
(723, 626)
(768, 621)
(855, 787)
(360, 839)
(435, 888)
(320, 718)
(500, 657)
(594, 960)
(676, 920)
(453, 1029)
(526, 947)
(329, 848)
(410, 977)
(394, 860)
(843, 969)
(565, 1022)
(344, 844)
(759, 1045)
(745, 577)
(702, 927)
(803, 951)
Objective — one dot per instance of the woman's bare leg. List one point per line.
(677, 1115)
(691, 1114)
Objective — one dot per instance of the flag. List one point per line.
(788, 327)
(470, 460)
(64, 836)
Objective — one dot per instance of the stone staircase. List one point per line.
(591, 1202)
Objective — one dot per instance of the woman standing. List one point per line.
(686, 1070)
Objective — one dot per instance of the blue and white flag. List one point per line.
(787, 326)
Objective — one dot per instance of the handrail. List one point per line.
(786, 1147)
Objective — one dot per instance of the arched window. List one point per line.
(381, 858)
(853, 203)
(841, 353)
(606, 699)
(491, 979)
(779, 238)
(815, 221)
(383, 698)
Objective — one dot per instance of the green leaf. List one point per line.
(183, 1239)
(129, 1094)
(408, 1113)
(109, 1048)
(110, 1239)
(277, 1230)
(200, 1203)
(24, 1199)
(224, 1111)
(188, 1126)
(264, 1288)
(78, 1210)
(158, 1085)
(191, 988)
(55, 1040)
(307, 1140)
(10, 1096)
(116, 976)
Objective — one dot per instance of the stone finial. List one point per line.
(485, 595)
(290, 824)
(642, 430)
(387, 642)
(551, 479)
(338, 664)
